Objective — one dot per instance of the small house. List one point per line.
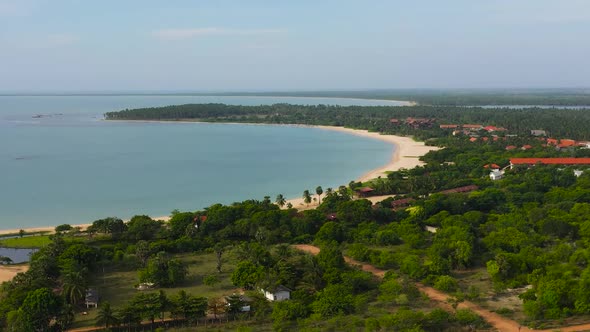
(279, 293)
(496, 175)
(364, 191)
(538, 132)
(91, 299)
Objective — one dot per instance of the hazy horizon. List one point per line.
(260, 46)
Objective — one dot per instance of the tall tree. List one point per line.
(280, 200)
(319, 191)
(106, 316)
(74, 286)
(306, 197)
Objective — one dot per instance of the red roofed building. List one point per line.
(527, 147)
(492, 166)
(549, 161)
(510, 147)
(464, 189)
(493, 128)
(473, 139)
(449, 126)
(566, 142)
(552, 141)
(364, 191)
(396, 121)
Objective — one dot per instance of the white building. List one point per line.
(279, 293)
(496, 174)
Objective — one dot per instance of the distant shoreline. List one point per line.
(405, 154)
(388, 101)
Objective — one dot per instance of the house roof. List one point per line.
(492, 166)
(463, 189)
(526, 147)
(550, 161)
(472, 126)
(473, 139)
(400, 202)
(365, 189)
(91, 295)
(279, 288)
(510, 147)
(448, 126)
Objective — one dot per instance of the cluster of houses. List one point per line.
(415, 123)
(497, 173)
(473, 130)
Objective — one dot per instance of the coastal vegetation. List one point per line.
(566, 123)
(518, 246)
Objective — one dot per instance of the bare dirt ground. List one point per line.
(7, 272)
(502, 324)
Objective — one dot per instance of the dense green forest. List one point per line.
(556, 122)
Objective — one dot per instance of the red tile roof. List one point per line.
(365, 190)
(550, 161)
(448, 126)
(510, 147)
(472, 126)
(567, 142)
(464, 189)
(473, 139)
(526, 147)
(492, 166)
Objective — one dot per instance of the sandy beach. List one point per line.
(405, 155)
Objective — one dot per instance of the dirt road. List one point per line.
(501, 323)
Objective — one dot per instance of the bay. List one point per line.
(61, 163)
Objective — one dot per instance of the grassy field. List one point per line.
(36, 241)
(116, 285)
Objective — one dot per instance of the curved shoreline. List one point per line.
(405, 154)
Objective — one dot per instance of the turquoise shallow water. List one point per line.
(69, 166)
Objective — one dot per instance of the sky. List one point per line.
(273, 45)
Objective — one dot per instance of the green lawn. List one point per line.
(36, 241)
(117, 284)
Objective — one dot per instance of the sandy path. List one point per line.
(501, 323)
(7, 272)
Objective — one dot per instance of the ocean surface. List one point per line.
(61, 163)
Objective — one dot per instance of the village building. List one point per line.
(91, 298)
(464, 189)
(538, 132)
(401, 203)
(549, 161)
(279, 293)
(496, 174)
(364, 191)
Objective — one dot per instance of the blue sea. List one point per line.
(60, 162)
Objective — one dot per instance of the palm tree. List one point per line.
(129, 316)
(307, 197)
(74, 286)
(319, 191)
(106, 316)
(280, 200)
